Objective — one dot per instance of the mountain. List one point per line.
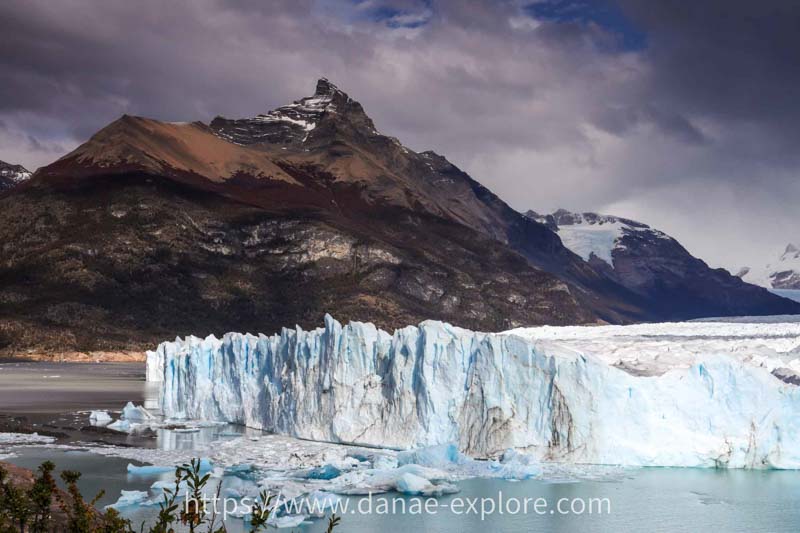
(784, 273)
(12, 175)
(657, 267)
(153, 229)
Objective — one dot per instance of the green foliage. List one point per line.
(41, 497)
(261, 511)
(194, 510)
(31, 510)
(14, 506)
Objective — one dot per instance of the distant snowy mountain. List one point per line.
(12, 175)
(594, 236)
(647, 261)
(784, 273)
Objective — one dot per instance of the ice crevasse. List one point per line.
(487, 392)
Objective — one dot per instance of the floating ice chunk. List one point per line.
(239, 469)
(99, 418)
(288, 521)
(436, 456)
(159, 486)
(323, 472)
(121, 425)
(149, 470)
(369, 481)
(516, 465)
(446, 457)
(409, 483)
(129, 498)
(134, 413)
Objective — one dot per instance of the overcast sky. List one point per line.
(684, 115)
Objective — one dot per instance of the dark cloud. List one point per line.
(684, 114)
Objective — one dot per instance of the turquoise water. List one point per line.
(652, 499)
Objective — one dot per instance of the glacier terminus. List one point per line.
(690, 394)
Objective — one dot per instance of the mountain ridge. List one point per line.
(152, 229)
(651, 263)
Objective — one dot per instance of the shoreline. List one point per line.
(122, 356)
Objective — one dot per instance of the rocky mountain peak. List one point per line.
(326, 88)
(295, 123)
(12, 175)
(791, 250)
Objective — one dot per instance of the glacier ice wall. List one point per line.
(436, 384)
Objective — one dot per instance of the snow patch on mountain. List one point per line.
(592, 239)
(784, 273)
(288, 124)
(12, 175)
(591, 234)
(686, 394)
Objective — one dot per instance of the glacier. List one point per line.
(697, 394)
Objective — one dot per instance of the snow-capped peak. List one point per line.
(12, 175)
(781, 274)
(292, 123)
(591, 234)
(306, 112)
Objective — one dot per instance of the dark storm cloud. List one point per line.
(731, 61)
(684, 114)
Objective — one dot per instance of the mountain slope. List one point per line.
(12, 175)
(652, 264)
(330, 132)
(151, 230)
(784, 273)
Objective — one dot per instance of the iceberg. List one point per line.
(129, 498)
(121, 425)
(149, 470)
(686, 394)
(324, 472)
(135, 413)
(409, 479)
(99, 418)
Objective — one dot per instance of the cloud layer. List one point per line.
(683, 115)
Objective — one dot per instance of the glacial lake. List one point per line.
(644, 499)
